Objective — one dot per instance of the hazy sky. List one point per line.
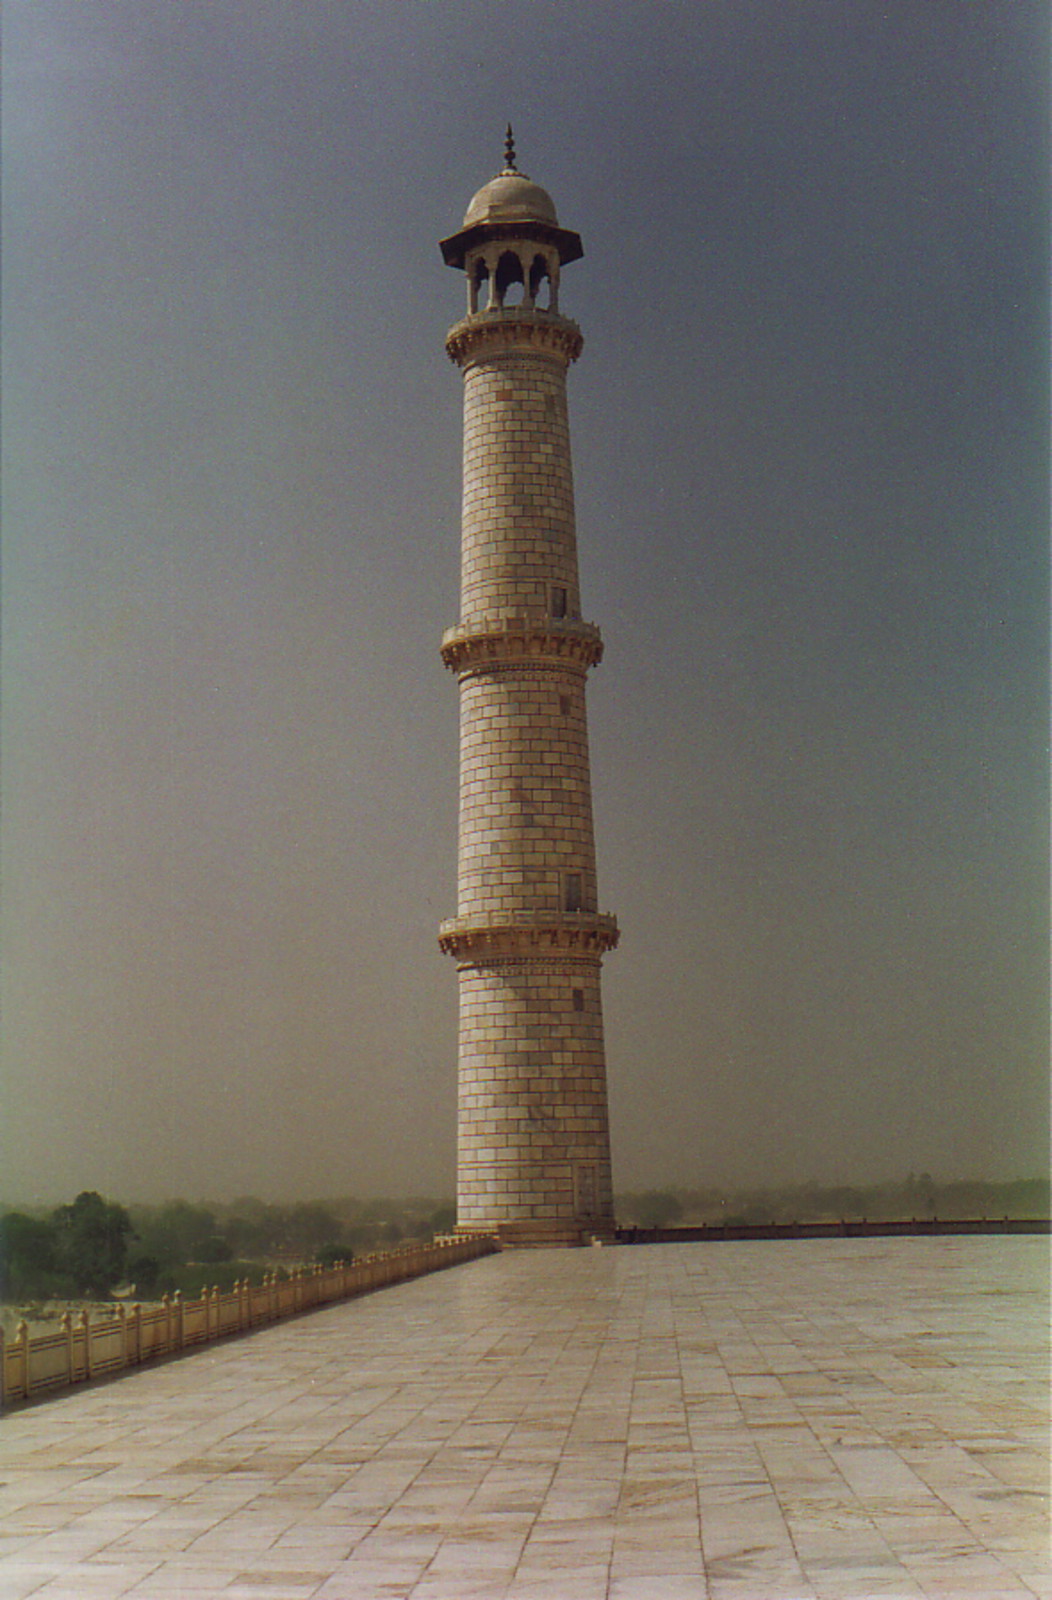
(809, 431)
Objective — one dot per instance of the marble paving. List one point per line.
(805, 1420)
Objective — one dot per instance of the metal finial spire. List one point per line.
(509, 150)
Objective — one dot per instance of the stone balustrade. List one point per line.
(86, 1348)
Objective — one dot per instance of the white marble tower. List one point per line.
(533, 1159)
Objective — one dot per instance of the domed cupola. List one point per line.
(511, 197)
(511, 235)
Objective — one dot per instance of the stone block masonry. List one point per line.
(525, 802)
(831, 1419)
(520, 540)
(533, 1159)
(532, 1094)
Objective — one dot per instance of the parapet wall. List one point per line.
(83, 1349)
(919, 1227)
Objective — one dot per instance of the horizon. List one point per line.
(809, 433)
(438, 1199)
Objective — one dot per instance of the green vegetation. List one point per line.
(919, 1197)
(78, 1250)
(91, 1248)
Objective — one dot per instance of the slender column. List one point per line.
(528, 938)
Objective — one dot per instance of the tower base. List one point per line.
(541, 1234)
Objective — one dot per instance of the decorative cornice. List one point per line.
(514, 330)
(552, 965)
(497, 642)
(479, 939)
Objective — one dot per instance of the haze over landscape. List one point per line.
(809, 430)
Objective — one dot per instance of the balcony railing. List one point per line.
(86, 1348)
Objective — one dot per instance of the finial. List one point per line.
(509, 150)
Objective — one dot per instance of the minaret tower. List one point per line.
(533, 1161)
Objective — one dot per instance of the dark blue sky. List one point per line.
(810, 435)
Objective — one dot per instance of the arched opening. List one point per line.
(511, 287)
(477, 286)
(540, 284)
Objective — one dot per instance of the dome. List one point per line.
(511, 197)
(506, 205)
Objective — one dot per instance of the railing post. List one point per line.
(85, 1322)
(136, 1333)
(67, 1328)
(22, 1340)
(217, 1306)
(122, 1318)
(166, 1305)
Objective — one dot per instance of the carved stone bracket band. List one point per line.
(545, 332)
(511, 640)
(476, 939)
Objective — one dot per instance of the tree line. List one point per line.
(91, 1248)
(916, 1196)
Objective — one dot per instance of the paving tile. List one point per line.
(791, 1420)
(659, 1586)
(582, 1583)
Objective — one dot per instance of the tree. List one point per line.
(309, 1225)
(144, 1271)
(92, 1240)
(330, 1254)
(28, 1256)
(215, 1248)
(178, 1231)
